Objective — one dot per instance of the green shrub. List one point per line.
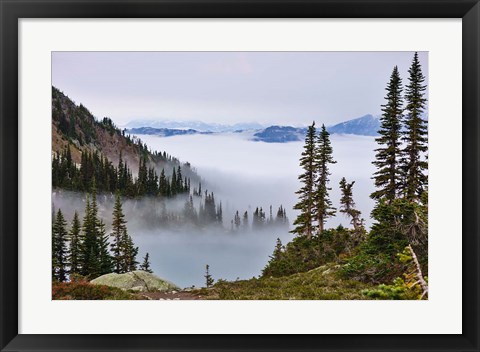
(375, 259)
(303, 254)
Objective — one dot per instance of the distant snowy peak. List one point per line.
(163, 132)
(198, 126)
(367, 125)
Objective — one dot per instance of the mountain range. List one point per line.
(367, 125)
(198, 126)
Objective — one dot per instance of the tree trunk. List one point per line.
(421, 280)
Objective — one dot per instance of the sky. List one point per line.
(284, 88)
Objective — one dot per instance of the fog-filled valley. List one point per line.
(243, 175)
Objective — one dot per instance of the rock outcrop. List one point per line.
(138, 280)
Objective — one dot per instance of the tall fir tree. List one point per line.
(220, 214)
(323, 158)
(59, 248)
(281, 218)
(75, 245)
(347, 205)
(208, 277)
(146, 264)
(245, 222)
(142, 176)
(91, 249)
(388, 175)
(173, 184)
(236, 220)
(88, 244)
(304, 221)
(129, 253)
(278, 251)
(179, 183)
(119, 226)
(414, 136)
(189, 211)
(163, 184)
(104, 257)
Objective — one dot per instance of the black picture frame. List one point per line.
(12, 10)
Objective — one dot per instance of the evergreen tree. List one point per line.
(89, 240)
(277, 252)
(120, 173)
(179, 183)
(119, 226)
(347, 205)
(281, 218)
(388, 175)
(75, 245)
(173, 183)
(129, 253)
(209, 208)
(261, 217)
(208, 278)
(146, 264)
(105, 259)
(142, 177)
(323, 157)
(91, 249)
(304, 222)
(163, 184)
(220, 214)
(59, 248)
(245, 220)
(275, 264)
(152, 182)
(189, 211)
(236, 221)
(258, 218)
(415, 135)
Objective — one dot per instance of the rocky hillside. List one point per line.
(73, 125)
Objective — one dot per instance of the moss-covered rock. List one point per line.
(138, 280)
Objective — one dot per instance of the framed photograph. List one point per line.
(239, 176)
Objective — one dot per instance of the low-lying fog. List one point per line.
(247, 173)
(243, 175)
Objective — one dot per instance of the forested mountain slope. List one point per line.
(85, 148)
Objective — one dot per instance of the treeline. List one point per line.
(86, 250)
(259, 219)
(401, 199)
(108, 178)
(209, 212)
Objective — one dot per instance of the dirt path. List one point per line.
(169, 296)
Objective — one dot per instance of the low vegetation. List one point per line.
(83, 290)
(303, 254)
(321, 283)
